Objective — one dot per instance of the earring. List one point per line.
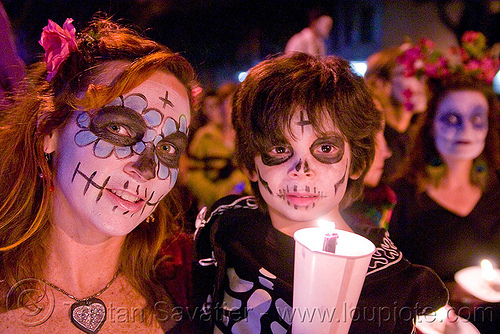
(48, 157)
(150, 219)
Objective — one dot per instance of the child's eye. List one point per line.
(328, 150)
(279, 151)
(277, 155)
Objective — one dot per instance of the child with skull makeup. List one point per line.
(87, 219)
(305, 134)
(448, 189)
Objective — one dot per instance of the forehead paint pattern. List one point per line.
(132, 115)
(303, 122)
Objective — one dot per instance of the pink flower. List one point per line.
(58, 43)
(470, 37)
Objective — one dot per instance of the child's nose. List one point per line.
(144, 167)
(301, 169)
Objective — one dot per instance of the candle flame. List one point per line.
(442, 314)
(326, 226)
(487, 271)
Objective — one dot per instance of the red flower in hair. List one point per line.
(58, 43)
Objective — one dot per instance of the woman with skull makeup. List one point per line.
(305, 133)
(402, 94)
(447, 215)
(88, 225)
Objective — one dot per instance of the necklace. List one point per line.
(87, 314)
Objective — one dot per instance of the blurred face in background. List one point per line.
(410, 92)
(461, 124)
(323, 26)
(382, 152)
(211, 106)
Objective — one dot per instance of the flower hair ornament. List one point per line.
(422, 59)
(58, 44)
(473, 57)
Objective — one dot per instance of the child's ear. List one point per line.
(252, 176)
(50, 142)
(354, 175)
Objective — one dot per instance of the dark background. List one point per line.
(223, 37)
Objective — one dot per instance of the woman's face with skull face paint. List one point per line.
(304, 178)
(114, 165)
(461, 124)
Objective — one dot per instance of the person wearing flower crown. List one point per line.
(397, 78)
(89, 233)
(447, 215)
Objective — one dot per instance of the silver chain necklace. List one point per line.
(87, 314)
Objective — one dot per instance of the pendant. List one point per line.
(88, 315)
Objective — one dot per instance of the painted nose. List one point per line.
(144, 167)
(301, 169)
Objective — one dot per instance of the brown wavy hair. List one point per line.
(39, 109)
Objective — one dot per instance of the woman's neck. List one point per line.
(457, 175)
(79, 268)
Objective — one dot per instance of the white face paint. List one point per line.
(461, 124)
(305, 178)
(114, 165)
(409, 91)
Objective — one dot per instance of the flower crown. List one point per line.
(472, 57)
(422, 59)
(58, 43)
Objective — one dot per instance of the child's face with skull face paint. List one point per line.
(304, 178)
(113, 165)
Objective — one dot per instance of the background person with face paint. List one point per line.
(377, 202)
(448, 212)
(305, 133)
(88, 225)
(397, 79)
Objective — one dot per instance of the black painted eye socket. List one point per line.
(169, 149)
(119, 126)
(328, 150)
(277, 155)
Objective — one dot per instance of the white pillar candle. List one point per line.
(327, 285)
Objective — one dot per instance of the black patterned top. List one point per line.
(245, 272)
